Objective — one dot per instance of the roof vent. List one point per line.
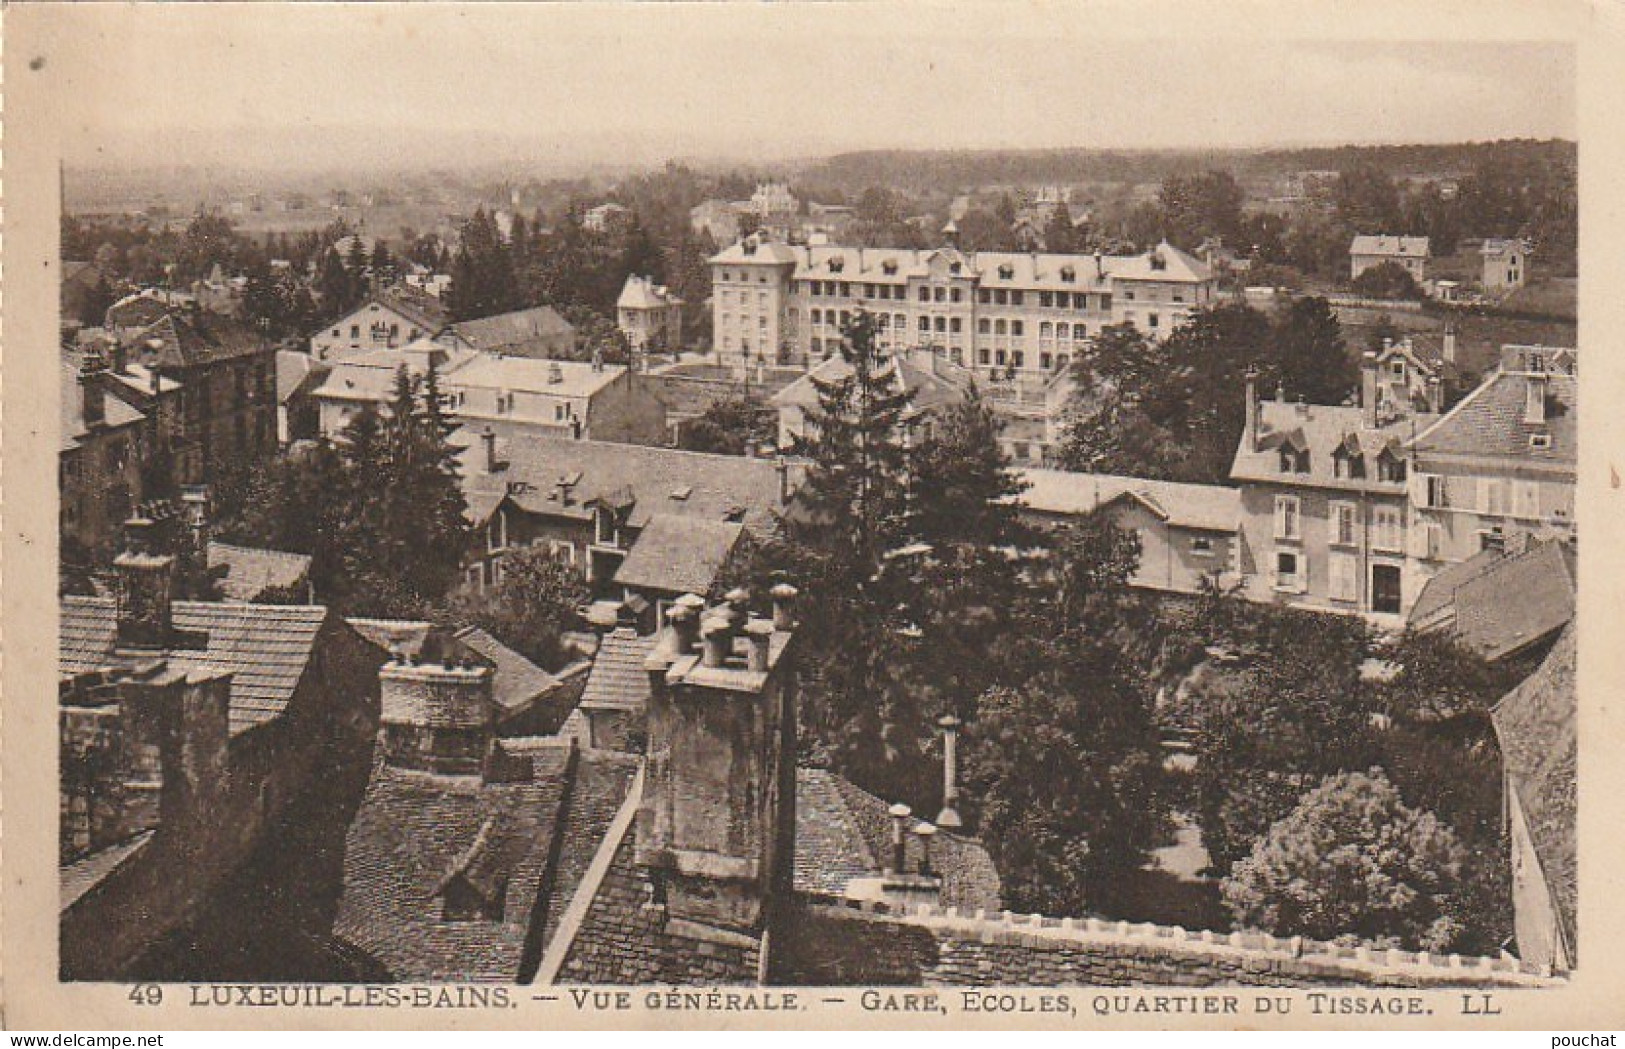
(555, 374)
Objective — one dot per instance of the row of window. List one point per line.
(1387, 524)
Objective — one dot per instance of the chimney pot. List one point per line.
(926, 833)
(685, 627)
(949, 816)
(760, 633)
(717, 635)
(784, 605)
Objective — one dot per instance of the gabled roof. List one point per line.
(71, 399)
(249, 571)
(1209, 507)
(660, 480)
(1488, 422)
(521, 333)
(679, 555)
(266, 648)
(1386, 244)
(1536, 724)
(618, 680)
(296, 373)
(1322, 429)
(642, 293)
(844, 834)
(1498, 246)
(517, 682)
(533, 375)
(178, 341)
(424, 311)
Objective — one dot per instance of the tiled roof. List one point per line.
(845, 832)
(515, 334)
(250, 572)
(1209, 507)
(84, 874)
(1321, 428)
(71, 398)
(618, 680)
(679, 555)
(602, 782)
(1536, 725)
(178, 341)
(265, 648)
(1384, 244)
(371, 376)
(425, 311)
(1497, 246)
(661, 480)
(1489, 422)
(1543, 580)
(408, 835)
(517, 682)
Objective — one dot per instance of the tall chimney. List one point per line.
(685, 627)
(760, 634)
(949, 816)
(1250, 426)
(1368, 388)
(1435, 395)
(717, 636)
(926, 832)
(1449, 350)
(145, 575)
(782, 466)
(93, 392)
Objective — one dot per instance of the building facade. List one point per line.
(1501, 462)
(380, 323)
(104, 441)
(1368, 251)
(1325, 504)
(1002, 313)
(1506, 264)
(649, 315)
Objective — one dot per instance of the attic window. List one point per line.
(1068, 274)
(1540, 441)
(1007, 272)
(953, 267)
(682, 493)
(837, 264)
(734, 514)
(889, 267)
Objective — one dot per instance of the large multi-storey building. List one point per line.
(1009, 313)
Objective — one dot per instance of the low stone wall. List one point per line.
(844, 942)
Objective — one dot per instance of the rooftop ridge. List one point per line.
(1036, 930)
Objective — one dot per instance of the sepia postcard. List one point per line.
(938, 515)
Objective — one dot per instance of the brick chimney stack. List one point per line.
(93, 391)
(437, 717)
(949, 816)
(1251, 426)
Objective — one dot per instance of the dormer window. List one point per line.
(604, 523)
(1007, 272)
(837, 264)
(889, 267)
(1068, 274)
(954, 268)
(1540, 442)
(1294, 460)
(1390, 468)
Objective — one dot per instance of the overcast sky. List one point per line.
(318, 84)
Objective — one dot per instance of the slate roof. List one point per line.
(77, 879)
(371, 376)
(679, 555)
(1489, 423)
(181, 342)
(1209, 507)
(517, 682)
(403, 635)
(1536, 724)
(709, 486)
(1321, 428)
(71, 398)
(266, 648)
(1386, 244)
(425, 311)
(250, 571)
(520, 333)
(1498, 246)
(410, 832)
(297, 372)
(618, 680)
